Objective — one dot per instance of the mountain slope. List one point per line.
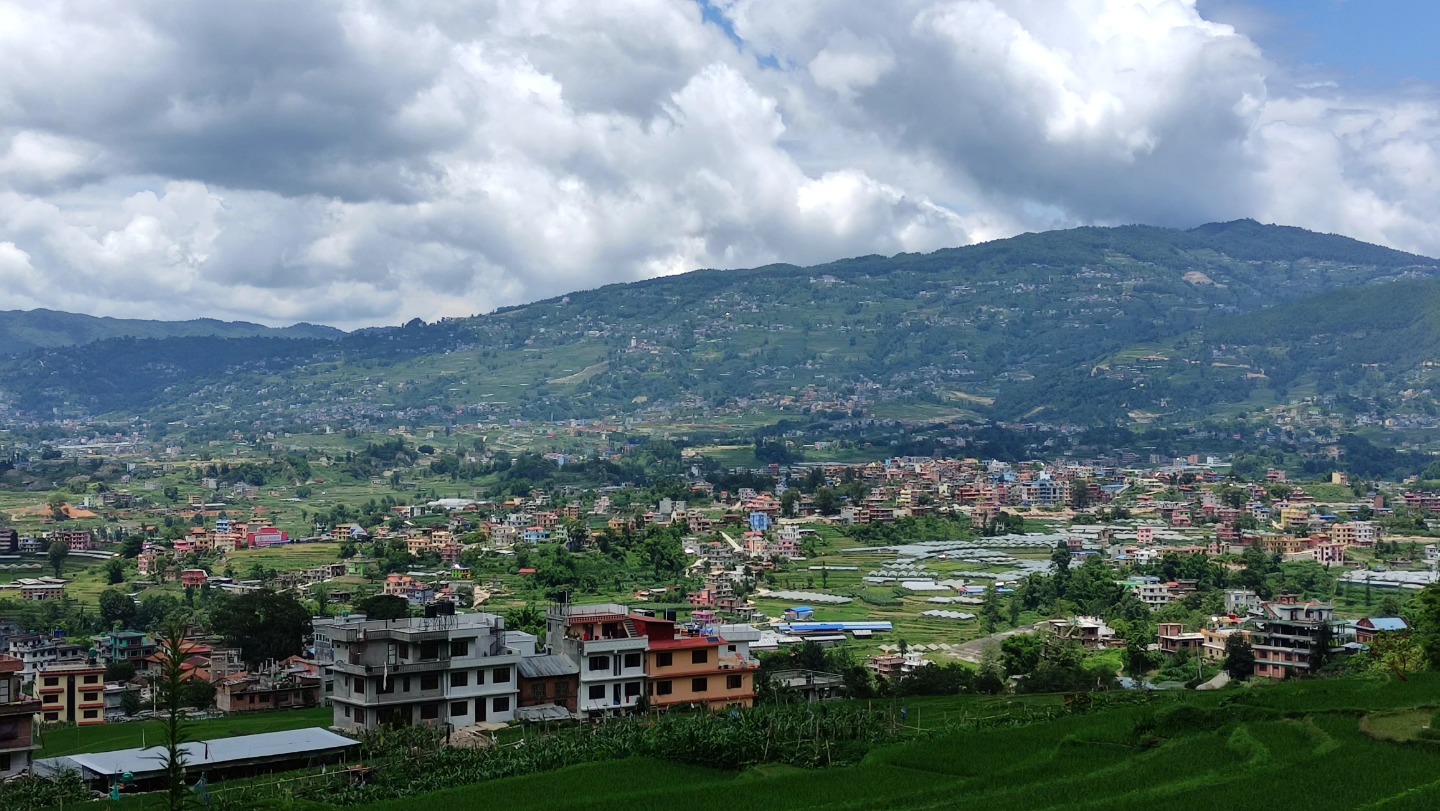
(24, 330)
(990, 328)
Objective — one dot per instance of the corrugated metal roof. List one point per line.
(539, 667)
(202, 754)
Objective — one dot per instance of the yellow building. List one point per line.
(71, 693)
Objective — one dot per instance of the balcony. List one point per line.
(592, 646)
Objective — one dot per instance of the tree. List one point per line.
(383, 607)
(1425, 621)
(171, 688)
(991, 610)
(788, 502)
(1060, 560)
(1020, 654)
(264, 625)
(59, 550)
(115, 571)
(827, 501)
(1138, 661)
(1389, 606)
(116, 608)
(1239, 657)
(1396, 653)
(1323, 651)
(119, 670)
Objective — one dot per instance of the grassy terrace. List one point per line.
(1240, 748)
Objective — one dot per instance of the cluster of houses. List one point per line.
(1284, 633)
(598, 661)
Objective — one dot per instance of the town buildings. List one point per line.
(1285, 635)
(451, 670)
(71, 693)
(17, 720)
(608, 647)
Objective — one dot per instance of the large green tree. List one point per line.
(1425, 619)
(264, 625)
(116, 608)
(59, 550)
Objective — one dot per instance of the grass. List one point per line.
(1405, 725)
(285, 558)
(60, 741)
(1226, 756)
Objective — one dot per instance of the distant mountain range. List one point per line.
(24, 330)
(1089, 326)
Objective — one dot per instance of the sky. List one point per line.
(363, 163)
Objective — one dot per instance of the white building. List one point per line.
(609, 650)
(455, 670)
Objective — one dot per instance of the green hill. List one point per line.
(25, 330)
(1019, 326)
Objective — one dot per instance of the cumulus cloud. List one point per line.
(364, 163)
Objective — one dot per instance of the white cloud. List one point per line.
(365, 163)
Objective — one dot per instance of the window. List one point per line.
(92, 679)
(597, 692)
(632, 689)
(347, 710)
(730, 648)
(90, 697)
(459, 647)
(429, 712)
(429, 650)
(734, 682)
(52, 681)
(458, 708)
(460, 678)
(359, 715)
(52, 716)
(384, 685)
(632, 659)
(405, 684)
(479, 677)
(52, 699)
(664, 659)
(430, 681)
(502, 675)
(91, 713)
(599, 663)
(502, 704)
(699, 657)
(537, 691)
(562, 689)
(664, 688)
(699, 685)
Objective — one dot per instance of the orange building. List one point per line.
(72, 693)
(685, 667)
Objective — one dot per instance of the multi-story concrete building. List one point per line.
(35, 651)
(17, 720)
(609, 648)
(697, 665)
(72, 693)
(125, 646)
(1285, 634)
(455, 670)
(1354, 533)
